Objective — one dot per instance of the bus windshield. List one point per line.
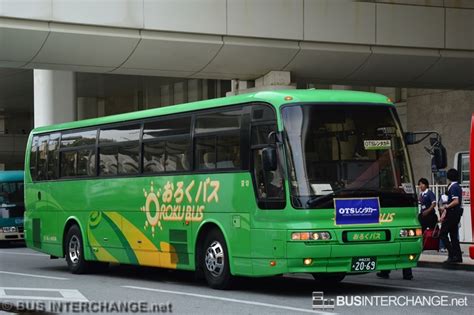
(11, 200)
(345, 150)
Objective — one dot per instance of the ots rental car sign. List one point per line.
(357, 210)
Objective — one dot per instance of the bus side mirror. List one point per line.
(410, 138)
(439, 159)
(269, 159)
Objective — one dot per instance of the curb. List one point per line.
(438, 265)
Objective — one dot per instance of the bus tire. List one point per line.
(329, 278)
(215, 261)
(74, 252)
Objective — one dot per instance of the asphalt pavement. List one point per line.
(31, 280)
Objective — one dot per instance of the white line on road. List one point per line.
(28, 254)
(34, 276)
(66, 294)
(409, 288)
(211, 297)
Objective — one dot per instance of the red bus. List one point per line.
(471, 249)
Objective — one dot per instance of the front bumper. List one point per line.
(12, 236)
(338, 257)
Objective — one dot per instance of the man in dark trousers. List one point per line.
(450, 219)
(427, 199)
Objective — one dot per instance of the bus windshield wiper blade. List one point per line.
(315, 199)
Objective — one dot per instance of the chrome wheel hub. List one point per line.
(214, 259)
(74, 249)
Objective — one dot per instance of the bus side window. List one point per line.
(33, 157)
(41, 159)
(119, 151)
(77, 153)
(269, 184)
(218, 139)
(53, 156)
(166, 145)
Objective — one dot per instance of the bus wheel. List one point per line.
(215, 261)
(329, 278)
(74, 251)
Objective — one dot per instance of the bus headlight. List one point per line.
(310, 236)
(9, 229)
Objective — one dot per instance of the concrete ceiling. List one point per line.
(32, 44)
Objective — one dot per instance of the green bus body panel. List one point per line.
(155, 220)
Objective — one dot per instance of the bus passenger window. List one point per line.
(177, 155)
(228, 151)
(108, 161)
(85, 163)
(154, 157)
(128, 159)
(80, 138)
(53, 156)
(206, 153)
(42, 152)
(33, 156)
(68, 163)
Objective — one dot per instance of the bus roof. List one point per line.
(11, 176)
(277, 98)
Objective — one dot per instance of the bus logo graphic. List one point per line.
(178, 202)
(319, 302)
(357, 210)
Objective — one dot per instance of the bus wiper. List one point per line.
(316, 199)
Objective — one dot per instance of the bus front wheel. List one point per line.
(74, 251)
(215, 261)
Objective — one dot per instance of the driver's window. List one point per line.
(268, 184)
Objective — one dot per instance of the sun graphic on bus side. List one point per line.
(152, 202)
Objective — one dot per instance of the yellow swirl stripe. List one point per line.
(148, 254)
(99, 251)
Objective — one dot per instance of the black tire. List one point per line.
(215, 261)
(328, 278)
(74, 252)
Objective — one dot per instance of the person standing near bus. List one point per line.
(452, 213)
(427, 216)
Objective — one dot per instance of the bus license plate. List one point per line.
(363, 264)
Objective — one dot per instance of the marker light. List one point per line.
(411, 257)
(410, 232)
(288, 98)
(310, 236)
(307, 261)
(389, 99)
(273, 263)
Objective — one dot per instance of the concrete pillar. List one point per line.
(180, 92)
(87, 107)
(167, 95)
(194, 90)
(54, 97)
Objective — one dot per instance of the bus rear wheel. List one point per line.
(74, 251)
(329, 278)
(215, 261)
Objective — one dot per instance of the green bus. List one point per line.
(268, 183)
(12, 206)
